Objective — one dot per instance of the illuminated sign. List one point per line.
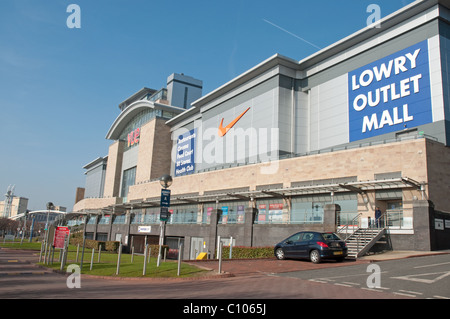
(390, 94)
(133, 137)
(184, 163)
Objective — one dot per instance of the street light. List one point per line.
(166, 181)
(50, 206)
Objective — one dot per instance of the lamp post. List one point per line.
(166, 182)
(50, 206)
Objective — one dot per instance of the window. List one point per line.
(295, 238)
(128, 179)
(119, 220)
(185, 97)
(104, 219)
(271, 211)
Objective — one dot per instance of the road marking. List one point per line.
(441, 297)
(321, 281)
(20, 273)
(411, 292)
(351, 283)
(13, 261)
(423, 280)
(403, 294)
(348, 276)
(432, 265)
(372, 289)
(344, 285)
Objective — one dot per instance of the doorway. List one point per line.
(197, 247)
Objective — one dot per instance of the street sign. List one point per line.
(164, 214)
(165, 197)
(61, 233)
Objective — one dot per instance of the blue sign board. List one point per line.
(165, 197)
(390, 94)
(185, 159)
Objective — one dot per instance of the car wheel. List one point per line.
(314, 255)
(279, 253)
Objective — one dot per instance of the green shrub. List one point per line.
(112, 245)
(155, 250)
(241, 252)
(90, 243)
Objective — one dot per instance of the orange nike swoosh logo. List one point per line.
(224, 130)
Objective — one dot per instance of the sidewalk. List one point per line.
(399, 254)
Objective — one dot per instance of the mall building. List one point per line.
(290, 145)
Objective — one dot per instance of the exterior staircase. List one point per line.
(360, 241)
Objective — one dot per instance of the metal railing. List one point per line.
(355, 223)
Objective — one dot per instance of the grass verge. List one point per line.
(108, 263)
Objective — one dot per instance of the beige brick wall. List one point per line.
(113, 169)
(154, 151)
(144, 162)
(409, 157)
(420, 159)
(95, 203)
(438, 160)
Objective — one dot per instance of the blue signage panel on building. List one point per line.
(165, 197)
(185, 159)
(390, 94)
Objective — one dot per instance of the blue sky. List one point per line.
(60, 87)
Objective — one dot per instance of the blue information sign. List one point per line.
(390, 94)
(185, 158)
(165, 197)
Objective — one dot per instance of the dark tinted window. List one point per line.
(295, 238)
(308, 236)
(330, 236)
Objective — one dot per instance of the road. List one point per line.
(276, 293)
(418, 277)
(21, 278)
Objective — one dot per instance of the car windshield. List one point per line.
(330, 236)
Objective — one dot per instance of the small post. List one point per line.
(65, 251)
(165, 254)
(231, 247)
(149, 253)
(180, 247)
(47, 258)
(145, 261)
(40, 254)
(53, 255)
(118, 259)
(45, 251)
(218, 245)
(63, 259)
(99, 252)
(132, 254)
(92, 258)
(78, 250)
(220, 257)
(82, 252)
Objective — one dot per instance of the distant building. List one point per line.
(19, 206)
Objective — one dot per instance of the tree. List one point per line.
(8, 225)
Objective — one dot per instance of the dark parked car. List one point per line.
(312, 245)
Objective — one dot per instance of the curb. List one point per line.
(373, 260)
